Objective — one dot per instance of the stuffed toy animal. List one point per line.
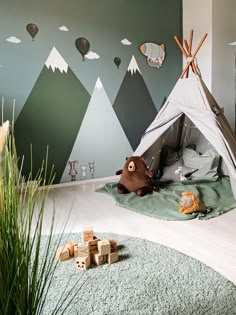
(135, 177)
(188, 203)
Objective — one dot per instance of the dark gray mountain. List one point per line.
(133, 105)
(51, 117)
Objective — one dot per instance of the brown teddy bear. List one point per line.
(135, 177)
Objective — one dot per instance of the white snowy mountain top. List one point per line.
(98, 84)
(55, 61)
(133, 66)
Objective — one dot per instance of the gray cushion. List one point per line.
(206, 163)
(170, 172)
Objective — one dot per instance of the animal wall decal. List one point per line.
(91, 168)
(73, 170)
(83, 169)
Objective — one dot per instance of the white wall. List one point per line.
(197, 15)
(223, 56)
(216, 58)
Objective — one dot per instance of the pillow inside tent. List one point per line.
(170, 173)
(206, 163)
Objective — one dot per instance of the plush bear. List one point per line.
(135, 177)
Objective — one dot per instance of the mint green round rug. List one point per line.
(148, 279)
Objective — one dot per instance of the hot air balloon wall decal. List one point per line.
(32, 29)
(117, 61)
(83, 45)
(155, 54)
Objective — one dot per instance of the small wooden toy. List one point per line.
(92, 250)
(71, 246)
(112, 258)
(113, 243)
(99, 259)
(76, 251)
(104, 247)
(87, 233)
(83, 249)
(62, 253)
(83, 262)
(93, 244)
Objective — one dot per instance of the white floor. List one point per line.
(212, 241)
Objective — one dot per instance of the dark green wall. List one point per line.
(104, 24)
(44, 117)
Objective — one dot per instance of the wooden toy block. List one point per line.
(112, 258)
(76, 251)
(71, 246)
(62, 253)
(82, 262)
(82, 249)
(104, 247)
(93, 244)
(92, 257)
(87, 233)
(99, 259)
(113, 243)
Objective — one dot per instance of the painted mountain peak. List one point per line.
(99, 143)
(98, 84)
(56, 61)
(51, 117)
(133, 66)
(133, 104)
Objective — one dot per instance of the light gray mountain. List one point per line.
(101, 139)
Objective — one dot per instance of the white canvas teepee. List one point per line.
(204, 124)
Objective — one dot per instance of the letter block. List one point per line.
(82, 249)
(114, 247)
(71, 246)
(104, 247)
(93, 244)
(99, 259)
(112, 258)
(87, 233)
(62, 253)
(82, 262)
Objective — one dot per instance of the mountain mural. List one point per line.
(51, 117)
(101, 139)
(133, 104)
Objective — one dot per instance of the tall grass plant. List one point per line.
(26, 274)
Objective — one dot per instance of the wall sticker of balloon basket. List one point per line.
(155, 54)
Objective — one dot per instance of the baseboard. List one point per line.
(85, 181)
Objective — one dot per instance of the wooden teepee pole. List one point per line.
(193, 56)
(190, 62)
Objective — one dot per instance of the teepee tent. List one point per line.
(191, 116)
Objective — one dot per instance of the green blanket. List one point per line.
(164, 204)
